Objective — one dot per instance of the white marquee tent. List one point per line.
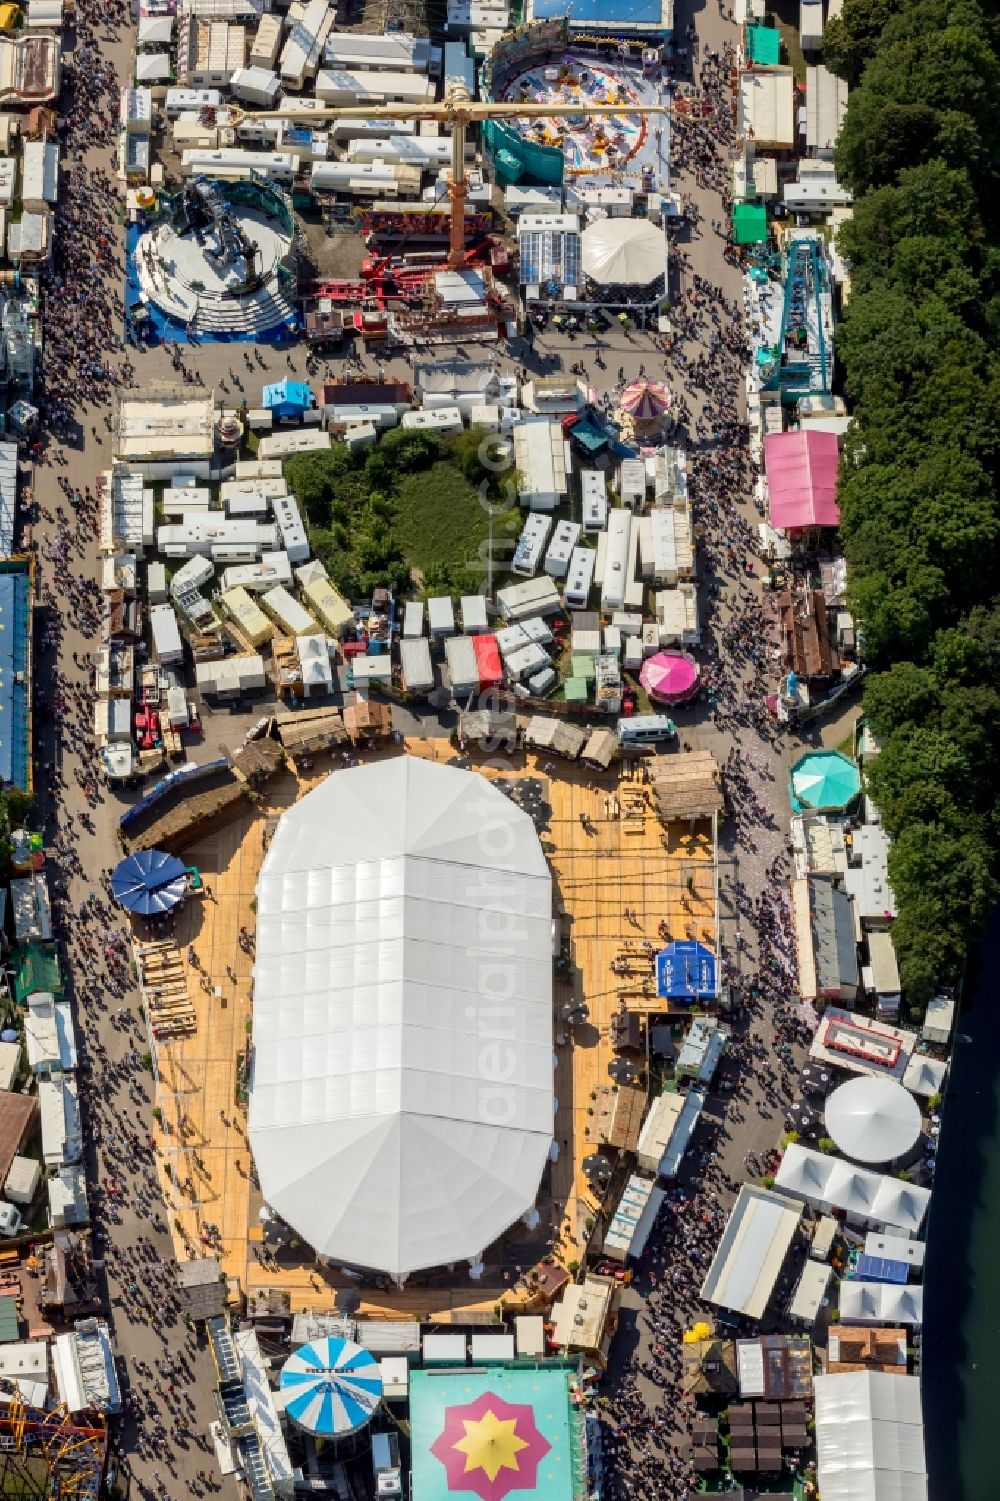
(401, 1102)
(870, 1437)
(631, 252)
(866, 1198)
(873, 1120)
(880, 1303)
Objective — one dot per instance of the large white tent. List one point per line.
(401, 1102)
(870, 1437)
(873, 1120)
(631, 252)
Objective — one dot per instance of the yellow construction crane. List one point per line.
(457, 112)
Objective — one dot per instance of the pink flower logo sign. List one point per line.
(490, 1447)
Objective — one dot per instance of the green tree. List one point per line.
(850, 39)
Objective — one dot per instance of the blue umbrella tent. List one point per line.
(149, 882)
(332, 1387)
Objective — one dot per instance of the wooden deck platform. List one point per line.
(609, 855)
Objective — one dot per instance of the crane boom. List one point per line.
(457, 112)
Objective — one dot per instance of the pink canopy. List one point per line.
(802, 479)
(645, 401)
(671, 677)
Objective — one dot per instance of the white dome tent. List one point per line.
(873, 1120)
(401, 1097)
(625, 253)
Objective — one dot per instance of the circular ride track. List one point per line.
(589, 146)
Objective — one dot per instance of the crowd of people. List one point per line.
(704, 357)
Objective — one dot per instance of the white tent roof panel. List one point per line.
(870, 1437)
(387, 1127)
(630, 251)
(872, 1119)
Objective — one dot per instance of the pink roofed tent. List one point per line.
(671, 677)
(802, 479)
(645, 401)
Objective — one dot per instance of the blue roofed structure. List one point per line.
(15, 672)
(288, 399)
(882, 1269)
(644, 18)
(686, 971)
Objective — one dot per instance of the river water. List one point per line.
(961, 1350)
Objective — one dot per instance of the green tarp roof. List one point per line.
(764, 45)
(749, 223)
(575, 690)
(9, 1330)
(37, 969)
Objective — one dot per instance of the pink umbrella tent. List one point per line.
(644, 407)
(671, 677)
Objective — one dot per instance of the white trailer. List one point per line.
(463, 670)
(286, 612)
(594, 492)
(413, 619)
(564, 540)
(416, 670)
(614, 580)
(293, 534)
(580, 578)
(179, 101)
(441, 616)
(168, 647)
(632, 484)
(459, 70)
(439, 420)
(260, 86)
(531, 544)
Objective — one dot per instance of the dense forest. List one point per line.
(918, 345)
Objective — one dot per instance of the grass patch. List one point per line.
(441, 524)
(786, 14)
(410, 506)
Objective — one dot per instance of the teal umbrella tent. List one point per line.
(823, 782)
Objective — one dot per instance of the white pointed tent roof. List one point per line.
(632, 252)
(401, 1105)
(875, 1198)
(873, 1119)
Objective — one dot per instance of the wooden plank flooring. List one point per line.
(608, 853)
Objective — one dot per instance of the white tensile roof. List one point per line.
(873, 1120)
(880, 1303)
(870, 1437)
(401, 1106)
(831, 1183)
(630, 251)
